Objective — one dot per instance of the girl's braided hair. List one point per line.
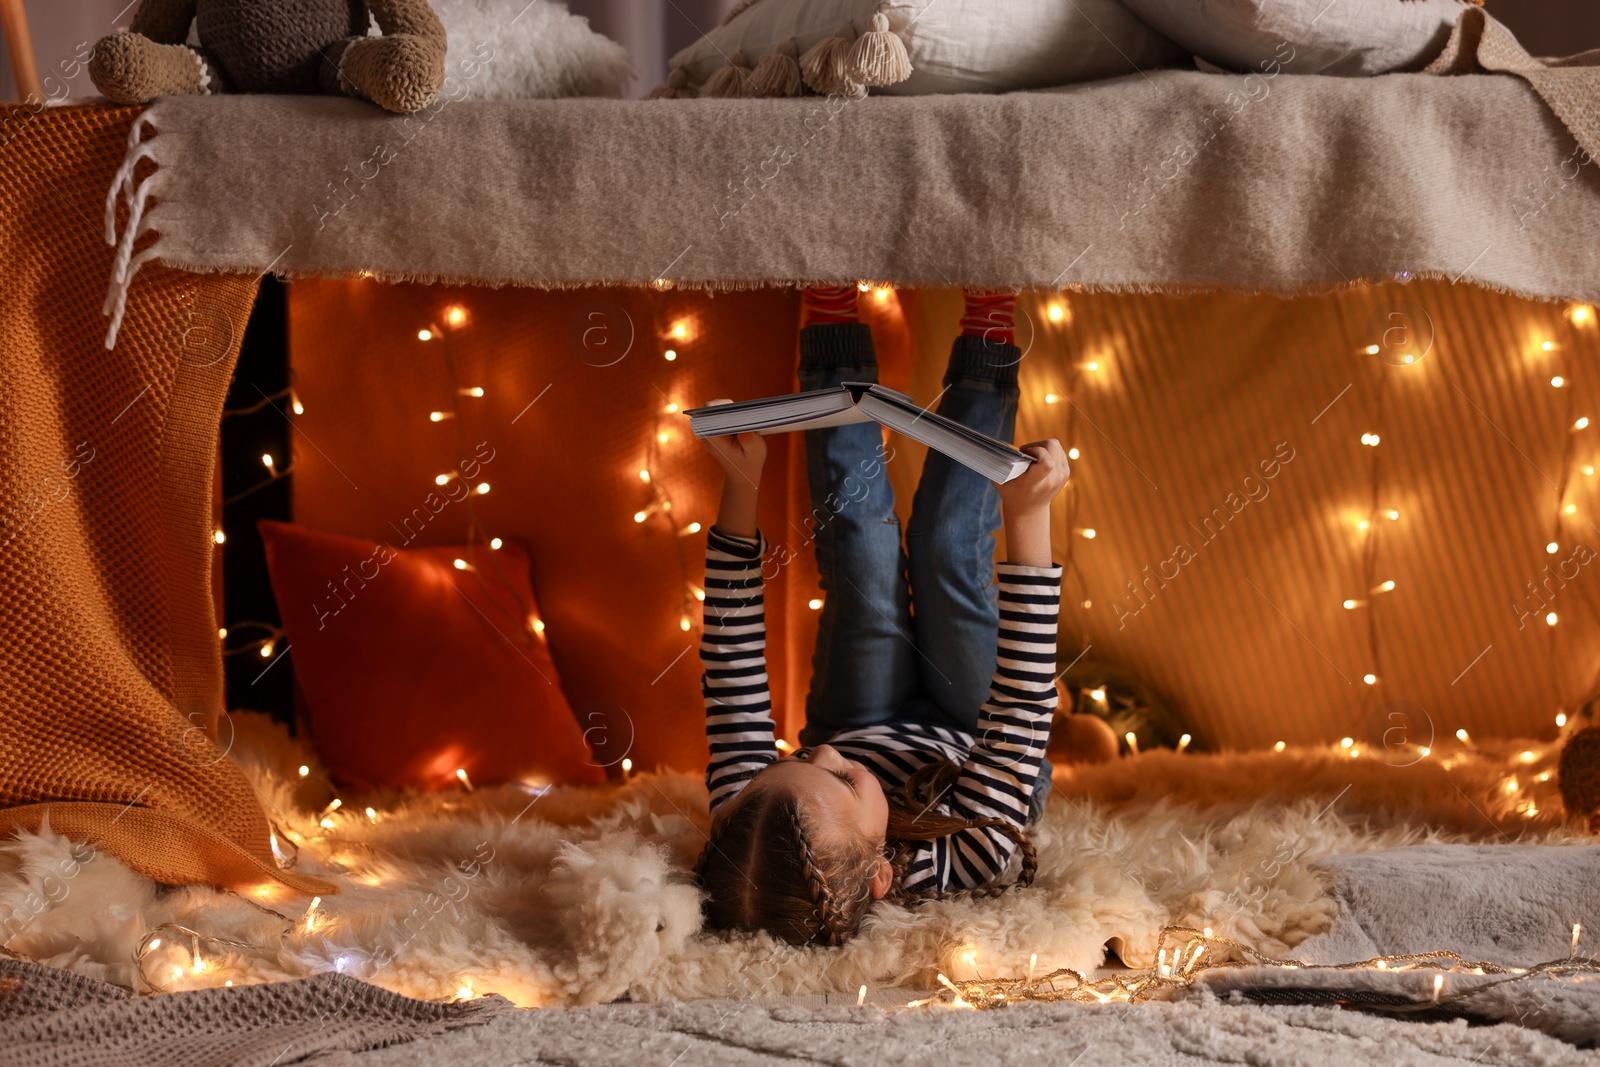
(762, 869)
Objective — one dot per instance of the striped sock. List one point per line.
(990, 315)
(822, 305)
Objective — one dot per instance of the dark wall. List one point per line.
(1551, 27)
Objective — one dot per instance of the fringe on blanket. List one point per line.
(126, 265)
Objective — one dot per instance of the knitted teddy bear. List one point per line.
(276, 46)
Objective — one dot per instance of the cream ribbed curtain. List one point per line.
(1245, 632)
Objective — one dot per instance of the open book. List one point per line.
(863, 402)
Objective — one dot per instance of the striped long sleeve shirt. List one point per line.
(998, 765)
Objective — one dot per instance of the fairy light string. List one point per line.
(1370, 543)
(1194, 952)
(659, 505)
(481, 548)
(1058, 314)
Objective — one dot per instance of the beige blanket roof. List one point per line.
(1170, 180)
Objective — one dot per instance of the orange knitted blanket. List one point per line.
(110, 673)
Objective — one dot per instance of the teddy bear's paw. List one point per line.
(399, 72)
(130, 68)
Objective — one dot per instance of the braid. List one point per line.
(761, 871)
(821, 896)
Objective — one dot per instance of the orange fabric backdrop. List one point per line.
(565, 480)
(1248, 639)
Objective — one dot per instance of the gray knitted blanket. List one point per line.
(54, 1018)
(1167, 180)
(1511, 905)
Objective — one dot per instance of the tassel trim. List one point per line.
(778, 73)
(730, 81)
(826, 67)
(676, 87)
(879, 57)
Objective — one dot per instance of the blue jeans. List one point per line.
(888, 652)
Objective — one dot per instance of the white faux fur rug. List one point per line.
(582, 896)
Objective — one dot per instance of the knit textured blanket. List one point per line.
(1169, 180)
(1510, 905)
(64, 1020)
(110, 675)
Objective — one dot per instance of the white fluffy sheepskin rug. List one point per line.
(522, 50)
(583, 896)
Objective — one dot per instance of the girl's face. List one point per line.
(834, 790)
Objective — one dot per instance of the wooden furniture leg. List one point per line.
(14, 24)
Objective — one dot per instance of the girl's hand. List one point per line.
(741, 455)
(1034, 488)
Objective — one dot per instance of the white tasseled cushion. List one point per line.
(1350, 38)
(956, 46)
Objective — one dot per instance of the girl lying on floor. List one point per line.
(923, 759)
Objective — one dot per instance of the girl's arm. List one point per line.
(734, 638)
(996, 781)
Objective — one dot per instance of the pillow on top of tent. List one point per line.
(1348, 38)
(412, 667)
(954, 46)
(517, 50)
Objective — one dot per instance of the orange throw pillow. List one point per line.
(412, 668)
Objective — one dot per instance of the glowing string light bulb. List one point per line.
(1133, 742)
(424, 335)
(495, 543)
(461, 776)
(218, 536)
(1073, 453)
(1183, 742)
(473, 390)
